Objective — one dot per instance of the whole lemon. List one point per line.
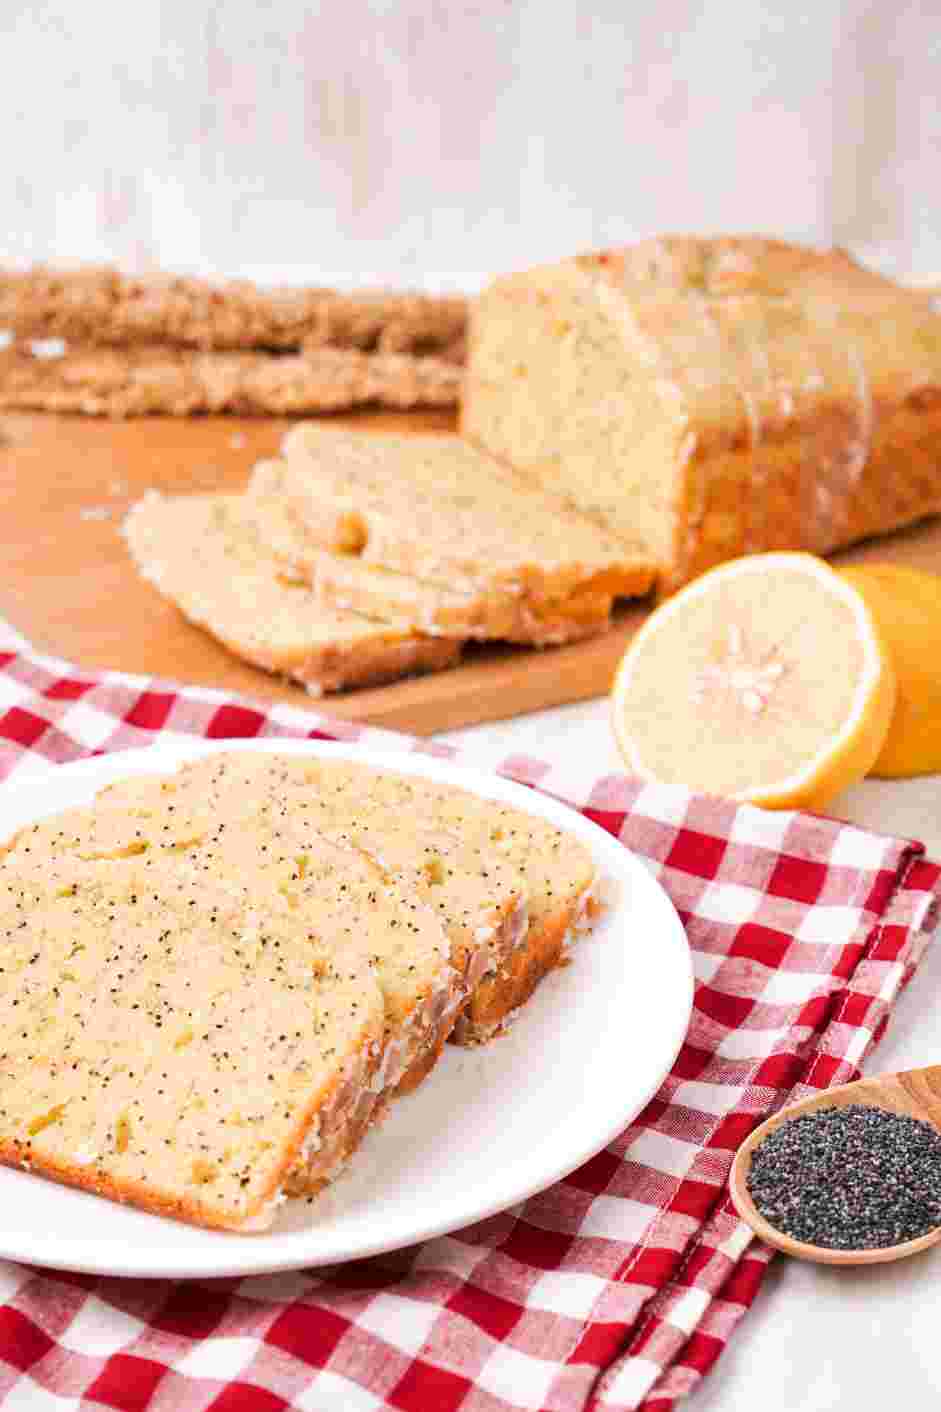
(906, 604)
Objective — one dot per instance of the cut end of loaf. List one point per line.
(714, 397)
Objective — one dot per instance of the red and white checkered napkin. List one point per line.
(615, 1289)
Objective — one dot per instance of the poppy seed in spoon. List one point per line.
(855, 1178)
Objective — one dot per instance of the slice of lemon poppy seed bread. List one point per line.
(161, 1044)
(476, 861)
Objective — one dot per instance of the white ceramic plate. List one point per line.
(490, 1126)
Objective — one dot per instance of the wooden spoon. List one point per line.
(914, 1092)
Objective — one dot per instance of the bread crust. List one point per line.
(342, 666)
(723, 510)
(498, 997)
(358, 1104)
(485, 617)
(733, 264)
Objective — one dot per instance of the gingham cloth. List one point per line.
(615, 1289)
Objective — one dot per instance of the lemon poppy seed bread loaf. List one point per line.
(713, 397)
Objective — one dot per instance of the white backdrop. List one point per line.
(369, 140)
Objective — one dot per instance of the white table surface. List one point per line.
(817, 1339)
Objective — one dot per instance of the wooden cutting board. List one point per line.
(69, 587)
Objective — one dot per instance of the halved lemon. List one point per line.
(906, 604)
(764, 680)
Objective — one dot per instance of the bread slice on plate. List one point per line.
(493, 873)
(480, 897)
(555, 871)
(168, 1044)
(201, 552)
(344, 581)
(215, 980)
(272, 858)
(442, 512)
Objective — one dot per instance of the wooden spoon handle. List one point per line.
(923, 1086)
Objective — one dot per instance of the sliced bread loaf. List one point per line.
(255, 819)
(344, 581)
(713, 397)
(435, 508)
(201, 552)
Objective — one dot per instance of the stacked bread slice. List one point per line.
(214, 981)
(475, 861)
(203, 552)
(435, 513)
(358, 558)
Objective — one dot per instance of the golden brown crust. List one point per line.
(724, 510)
(473, 985)
(368, 1114)
(498, 996)
(125, 1192)
(359, 1105)
(148, 380)
(423, 1063)
(341, 583)
(343, 666)
(428, 1050)
(103, 306)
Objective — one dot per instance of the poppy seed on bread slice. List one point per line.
(479, 895)
(464, 853)
(164, 1045)
(273, 859)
